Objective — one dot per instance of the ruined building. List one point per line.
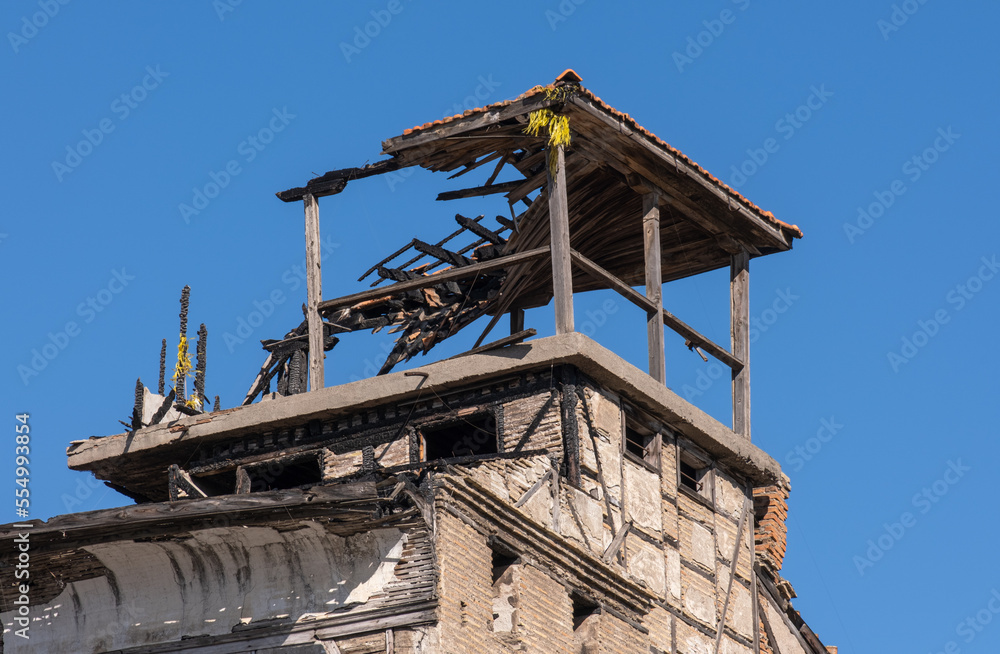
(529, 495)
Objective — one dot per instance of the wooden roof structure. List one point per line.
(607, 205)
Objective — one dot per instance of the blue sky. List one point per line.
(873, 360)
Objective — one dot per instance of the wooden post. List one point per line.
(562, 271)
(654, 284)
(314, 292)
(516, 320)
(739, 295)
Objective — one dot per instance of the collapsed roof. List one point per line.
(610, 163)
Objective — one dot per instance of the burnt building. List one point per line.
(529, 495)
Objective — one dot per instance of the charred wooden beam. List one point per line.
(420, 256)
(450, 275)
(180, 382)
(479, 191)
(499, 167)
(386, 260)
(137, 408)
(396, 274)
(335, 181)
(447, 256)
(178, 480)
(477, 164)
(479, 230)
(163, 365)
(202, 363)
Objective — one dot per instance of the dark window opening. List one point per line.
(694, 475)
(501, 563)
(276, 474)
(690, 477)
(583, 609)
(506, 581)
(279, 474)
(469, 436)
(222, 483)
(641, 442)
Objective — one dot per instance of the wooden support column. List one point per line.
(562, 271)
(654, 284)
(314, 292)
(739, 295)
(516, 321)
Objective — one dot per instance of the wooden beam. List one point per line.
(314, 292)
(502, 187)
(654, 284)
(562, 270)
(616, 544)
(669, 319)
(178, 479)
(739, 295)
(534, 488)
(243, 485)
(613, 282)
(480, 230)
(516, 320)
(336, 180)
(732, 573)
(451, 274)
(690, 334)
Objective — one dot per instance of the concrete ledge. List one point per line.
(595, 361)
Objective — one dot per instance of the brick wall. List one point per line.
(465, 608)
(770, 535)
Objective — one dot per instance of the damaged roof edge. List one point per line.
(595, 361)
